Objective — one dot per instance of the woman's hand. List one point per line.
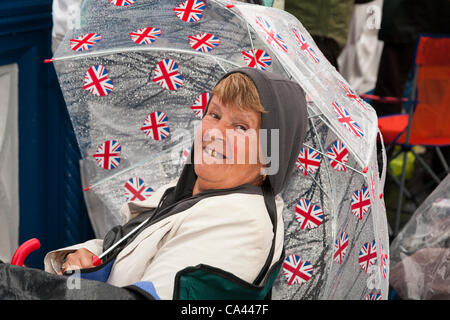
(80, 259)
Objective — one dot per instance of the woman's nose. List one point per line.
(222, 126)
(214, 133)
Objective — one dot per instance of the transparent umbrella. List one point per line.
(136, 77)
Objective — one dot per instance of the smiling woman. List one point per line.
(194, 238)
(227, 144)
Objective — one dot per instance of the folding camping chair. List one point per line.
(427, 120)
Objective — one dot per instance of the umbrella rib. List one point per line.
(140, 163)
(322, 149)
(318, 140)
(253, 48)
(345, 165)
(107, 52)
(315, 181)
(326, 167)
(315, 115)
(332, 199)
(250, 37)
(220, 65)
(338, 135)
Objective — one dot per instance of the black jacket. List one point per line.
(403, 20)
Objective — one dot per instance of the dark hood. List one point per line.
(285, 103)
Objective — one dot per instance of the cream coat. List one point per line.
(232, 232)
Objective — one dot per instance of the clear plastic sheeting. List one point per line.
(343, 254)
(9, 171)
(420, 254)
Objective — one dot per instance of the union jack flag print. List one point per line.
(190, 10)
(271, 36)
(257, 58)
(352, 95)
(107, 155)
(85, 42)
(308, 160)
(122, 3)
(340, 248)
(308, 215)
(155, 125)
(96, 81)
(338, 155)
(360, 202)
(344, 118)
(373, 296)
(203, 42)
(145, 35)
(200, 104)
(167, 75)
(367, 255)
(135, 189)
(297, 271)
(304, 46)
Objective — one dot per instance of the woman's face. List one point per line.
(227, 148)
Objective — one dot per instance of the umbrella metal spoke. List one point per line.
(333, 229)
(250, 38)
(321, 148)
(319, 115)
(137, 49)
(339, 136)
(348, 145)
(315, 115)
(253, 50)
(220, 65)
(345, 165)
(140, 163)
(318, 184)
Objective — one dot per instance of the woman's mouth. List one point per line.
(213, 153)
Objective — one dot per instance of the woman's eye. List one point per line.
(241, 127)
(214, 115)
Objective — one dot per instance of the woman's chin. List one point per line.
(209, 172)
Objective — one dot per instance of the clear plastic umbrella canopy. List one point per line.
(136, 77)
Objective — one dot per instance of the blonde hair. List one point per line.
(238, 90)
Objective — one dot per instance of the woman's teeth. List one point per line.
(213, 153)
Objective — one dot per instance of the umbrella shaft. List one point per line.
(122, 239)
